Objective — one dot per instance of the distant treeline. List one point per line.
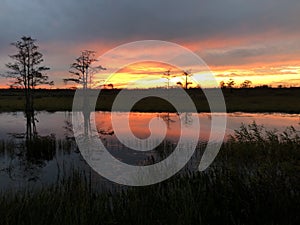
(284, 100)
(70, 92)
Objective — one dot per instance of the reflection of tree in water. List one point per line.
(105, 132)
(38, 149)
(29, 151)
(68, 128)
(167, 118)
(187, 118)
(31, 131)
(87, 122)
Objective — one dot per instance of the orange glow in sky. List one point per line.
(143, 75)
(152, 74)
(239, 40)
(243, 58)
(232, 58)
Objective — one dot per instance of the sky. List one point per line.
(257, 40)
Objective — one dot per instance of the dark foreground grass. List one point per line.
(254, 180)
(244, 100)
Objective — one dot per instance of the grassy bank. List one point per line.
(254, 180)
(246, 100)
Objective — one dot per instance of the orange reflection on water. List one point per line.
(139, 124)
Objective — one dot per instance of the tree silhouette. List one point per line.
(81, 69)
(26, 71)
(246, 84)
(167, 75)
(179, 84)
(230, 84)
(222, 84)
(187, 73)
(111, 86)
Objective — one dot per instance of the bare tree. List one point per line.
(187, 73)
(26, 70)
(82, 71)
(167, 75)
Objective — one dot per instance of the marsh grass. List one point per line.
(240, 100)
(254, 180)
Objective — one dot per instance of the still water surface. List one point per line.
(57, 123)
(17, 171)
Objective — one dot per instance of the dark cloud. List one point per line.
(134, 19)
(71, 22)
(254, 54)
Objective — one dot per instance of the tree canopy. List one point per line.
(26, 70)
(81, 69)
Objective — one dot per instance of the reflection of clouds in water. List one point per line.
(139, 122)
(55, 122)
(276, 121)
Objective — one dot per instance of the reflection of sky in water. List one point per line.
(47, 123)
(56, 123)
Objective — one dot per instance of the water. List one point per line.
(18, 169)
(57, 123)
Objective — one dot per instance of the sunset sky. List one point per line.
(257, 40)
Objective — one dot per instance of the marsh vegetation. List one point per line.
(240, 100)
(254, 180)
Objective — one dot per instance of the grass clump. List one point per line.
(254, 180)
